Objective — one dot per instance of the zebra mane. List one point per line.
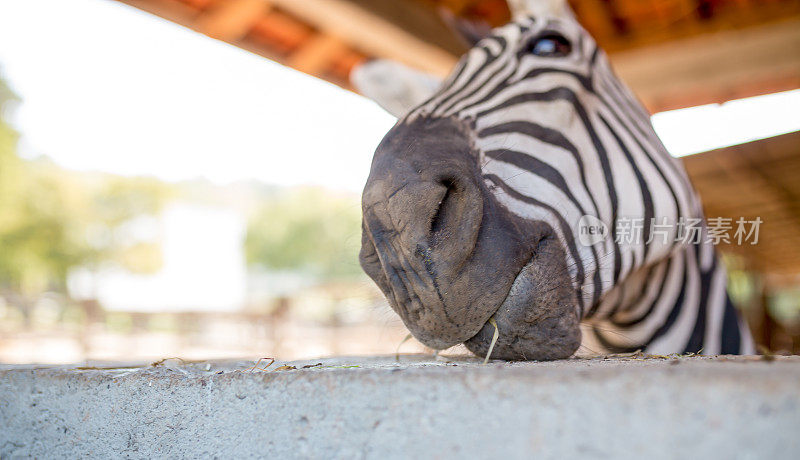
(539, 8)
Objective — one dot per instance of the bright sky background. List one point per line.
(107, 87)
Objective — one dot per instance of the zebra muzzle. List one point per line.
(437, 242)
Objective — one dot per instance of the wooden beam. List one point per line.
(171, 10)
(188, 16)
(714, 67)
(317, 54)
(230, 20)
(282, 31)
(370, 34)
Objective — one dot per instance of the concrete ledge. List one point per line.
(623, 407)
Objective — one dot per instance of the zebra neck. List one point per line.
(677, 305)
(633, 297)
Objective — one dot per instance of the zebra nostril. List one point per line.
(445, 211)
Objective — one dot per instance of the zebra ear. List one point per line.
(539, 8)
(394, 86)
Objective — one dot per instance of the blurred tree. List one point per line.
(9, 162)
(307, 230)
(39, 241)
(116, 202)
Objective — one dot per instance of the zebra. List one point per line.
(476, 199)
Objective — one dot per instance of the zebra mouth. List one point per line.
(537, 320)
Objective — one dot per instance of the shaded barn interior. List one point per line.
(758, 180)
(673, 54)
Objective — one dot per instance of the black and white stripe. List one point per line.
(561, 138)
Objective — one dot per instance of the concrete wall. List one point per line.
(624, 408)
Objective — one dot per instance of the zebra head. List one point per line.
(474, 201)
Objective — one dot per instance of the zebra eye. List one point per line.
(550, 45)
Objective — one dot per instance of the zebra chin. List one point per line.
(449, 256)
(538, 320)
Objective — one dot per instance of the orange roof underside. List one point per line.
(286, 32)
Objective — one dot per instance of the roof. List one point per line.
(673, 53)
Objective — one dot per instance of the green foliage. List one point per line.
(9, 162)
(784, 306)
(742, 285)
(60, 220)
(306, 230)
(119, 199)
(114, 202)
(38, 240)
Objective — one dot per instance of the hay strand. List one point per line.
(494, 339)
(397, 352)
